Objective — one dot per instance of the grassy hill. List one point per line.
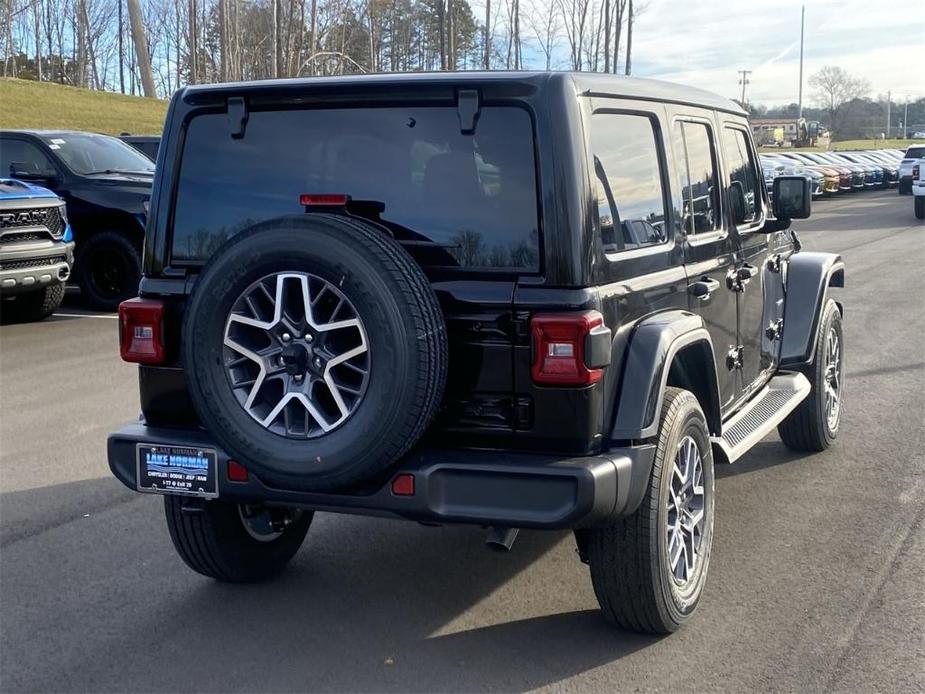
(28, 104)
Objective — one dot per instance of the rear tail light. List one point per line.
(915, 171)
(141, 331)
(570, 349)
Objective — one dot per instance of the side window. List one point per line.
(693, 144)
(25, 155)
(628, 181)
(744, 194)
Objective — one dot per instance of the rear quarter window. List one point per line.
(454, 200)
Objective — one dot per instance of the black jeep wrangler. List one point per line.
(511, 300)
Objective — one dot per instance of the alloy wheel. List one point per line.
(296, 354)
(686, 512)
(832, 379)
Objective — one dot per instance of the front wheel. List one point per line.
(108, 267)
(34, 306)
(813, 425)
(234, 543)
(649, 569)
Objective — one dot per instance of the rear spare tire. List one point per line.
(314, 350)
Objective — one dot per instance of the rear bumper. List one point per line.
(451, 486)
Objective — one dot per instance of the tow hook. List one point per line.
(501, 539)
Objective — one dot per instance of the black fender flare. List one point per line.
(654, 345)
(806, 286)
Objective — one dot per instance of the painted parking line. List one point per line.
(113, 316)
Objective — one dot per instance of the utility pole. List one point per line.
(800, 97)
(889, 104)
(906, 117)
(743, 80)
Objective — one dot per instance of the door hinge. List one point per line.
(775, 262)
(774, 329)
(734, 358)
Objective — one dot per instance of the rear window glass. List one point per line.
(453, 200)
(915, 153)
(627, 181)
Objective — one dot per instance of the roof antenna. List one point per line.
(467, 108)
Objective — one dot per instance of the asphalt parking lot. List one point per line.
(816, 580)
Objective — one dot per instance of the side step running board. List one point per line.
(765, 411)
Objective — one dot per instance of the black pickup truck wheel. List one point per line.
(649, 569)
(108, 270)
(234, 543)
(315, 350)
(813, 425)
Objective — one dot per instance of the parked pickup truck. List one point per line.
(36, 251)
(513, 300)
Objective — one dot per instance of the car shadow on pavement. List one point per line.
(366, 605)
(764, 455)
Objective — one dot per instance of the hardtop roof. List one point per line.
(585, 83)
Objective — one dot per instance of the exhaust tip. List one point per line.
(501, 539)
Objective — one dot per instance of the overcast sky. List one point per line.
(703, 43)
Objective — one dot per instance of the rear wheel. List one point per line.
(34, 306)
(234, 543)
(108, 267)
(649, 569)
(920, 206)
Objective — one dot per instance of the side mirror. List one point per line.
(26, 171)
(792, 197)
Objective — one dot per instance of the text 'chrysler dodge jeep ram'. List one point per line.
(518, 300)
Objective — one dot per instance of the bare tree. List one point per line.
(545, 22)
(487, 61)
(575, 22)
(630, 19)
(833, 88)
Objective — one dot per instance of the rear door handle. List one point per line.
(703, 287)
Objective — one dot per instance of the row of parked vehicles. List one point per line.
(840, 172)
(73, 208)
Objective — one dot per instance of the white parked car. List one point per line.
(918, 189)
(913, 155)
